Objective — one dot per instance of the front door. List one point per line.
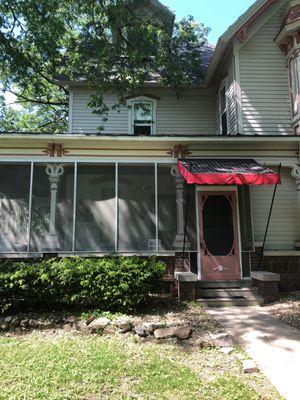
(218, 229)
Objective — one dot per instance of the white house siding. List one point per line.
(284, 226)
(264, 82)
(193, 114)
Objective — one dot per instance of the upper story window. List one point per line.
(142, 116)
(223, 104)
(294, 67)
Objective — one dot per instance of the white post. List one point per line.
(178, 242)
(54, 173)
(296, 176)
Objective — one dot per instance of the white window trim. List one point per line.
(130, 112)
(295, 117)
(224, 84)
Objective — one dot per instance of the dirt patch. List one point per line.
(287, 309)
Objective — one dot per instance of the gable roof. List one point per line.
(239, 28)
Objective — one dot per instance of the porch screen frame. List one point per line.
(74, 163)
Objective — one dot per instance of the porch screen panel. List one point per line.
(14, 207)
(172, 203)
(167, 210)
(136, 225)
(95, 211)
(52, 208)
(191, 228)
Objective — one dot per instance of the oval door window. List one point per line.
(218, 230)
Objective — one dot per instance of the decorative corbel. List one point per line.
(53, 150)
(179, 151)
(296, 175)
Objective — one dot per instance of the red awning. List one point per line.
(213, 171)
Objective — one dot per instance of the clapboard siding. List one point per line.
(284, 226)
(264, 82)
(193, 114)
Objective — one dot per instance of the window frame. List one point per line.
(294, 83)
(223, 87)
(141, 99)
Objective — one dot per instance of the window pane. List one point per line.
(52, 208)
(14, 207)
(136, 207)
(95, 214)
(142, 112)
(142, 130)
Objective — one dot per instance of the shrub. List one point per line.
(113, 283)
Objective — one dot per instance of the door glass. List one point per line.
(218, 231)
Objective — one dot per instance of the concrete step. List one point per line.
(230, 302)
(242, 283)
(236, 293)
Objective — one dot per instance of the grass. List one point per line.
(62, 366)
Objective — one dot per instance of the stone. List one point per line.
(140, 330)
(265, 276)
(203, 341)
(165, 333)
(46, 324)
(33, 324)
(223, 340)
(152, 326)
(24, 323)
(67, 327)
(249, 367)
(108, 330)
(183, 332)
(4, 327)
(70, 320)
(15, 322)
(171, 341)
(90, 319)
(8, 319)
(98, 324)
(81, 326)
(124, 325)
(227, 350)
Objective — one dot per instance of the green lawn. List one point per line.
(69, 366)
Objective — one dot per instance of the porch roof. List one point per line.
(226, 171)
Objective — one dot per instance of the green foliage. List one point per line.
(114, 283)
(114, 45)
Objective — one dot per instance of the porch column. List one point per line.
(179, 239)
(54, 173)
(296, 176)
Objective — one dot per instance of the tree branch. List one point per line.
(36, 101)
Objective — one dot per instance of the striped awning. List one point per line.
(226, 171)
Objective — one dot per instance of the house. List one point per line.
(193, 180)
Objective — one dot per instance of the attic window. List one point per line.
(142, 116)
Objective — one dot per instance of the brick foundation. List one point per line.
(268, 290)
(186, 291)
(287, 266)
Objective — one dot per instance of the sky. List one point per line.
(215, 14)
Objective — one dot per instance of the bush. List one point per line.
(113, 283)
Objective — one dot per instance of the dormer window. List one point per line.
(142, 116)
(223, 104)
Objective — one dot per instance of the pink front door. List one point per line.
(218, 229)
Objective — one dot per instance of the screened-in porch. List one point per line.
(93, 207)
